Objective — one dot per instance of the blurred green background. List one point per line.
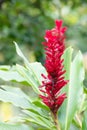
(25, 22)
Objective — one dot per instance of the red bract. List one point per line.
(54, 81)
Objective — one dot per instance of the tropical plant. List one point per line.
(40, 114)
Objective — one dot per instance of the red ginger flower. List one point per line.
(54, 81)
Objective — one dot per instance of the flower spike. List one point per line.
(54, 81)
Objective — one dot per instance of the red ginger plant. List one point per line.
(54, 81)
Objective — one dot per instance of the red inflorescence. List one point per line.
(54, 81)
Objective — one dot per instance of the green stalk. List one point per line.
(55, 119)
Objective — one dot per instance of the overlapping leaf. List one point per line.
(14, 96)
(8, 73)
(75, 74)
(40, 120)
(7, 126)
(32, 72)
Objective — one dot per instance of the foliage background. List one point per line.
(25, 22)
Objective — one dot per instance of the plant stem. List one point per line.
(55, 119)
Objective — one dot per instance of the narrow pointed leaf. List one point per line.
(19, 52)
(24, 72)
(34, 69)
(39, 119)
(67, 64)
(74, 91)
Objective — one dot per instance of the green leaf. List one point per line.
(83, 104)
(40, 120)
(33, 71)
(74, 90)
(40, 104)
(20, 99)
(4, 67)
(38, 69)
(39, 111)
(84, 122)
(77, 120)
(67, 64)
(7, 126)
(27, 75)
(8, 73)
(14, 96)
(73, 127)
(19, 52)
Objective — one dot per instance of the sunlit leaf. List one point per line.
(11, 75)
(14, 96)
(28, 77)
(33, 71)
(67, 64)
(37, 119)
(74, 90)
(38, 69)
(7, 126)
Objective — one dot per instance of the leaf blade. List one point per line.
(7, 126)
